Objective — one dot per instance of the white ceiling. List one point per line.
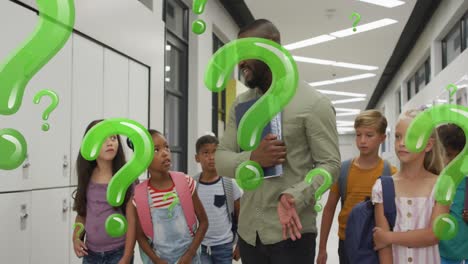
(302, 19)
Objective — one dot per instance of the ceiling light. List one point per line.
(340, 80)
(363, 28)
(168, 68)
(348, 109)
(309, 42)
(342, 93)
(347, 114)
(348, 100)
(385, 3)
(335, 63)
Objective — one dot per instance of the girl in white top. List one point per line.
(412, 239)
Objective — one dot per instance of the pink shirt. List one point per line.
(412, 213)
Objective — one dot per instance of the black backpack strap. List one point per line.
(388, 193)
(343, 179)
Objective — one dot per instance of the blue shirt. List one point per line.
(457, 248)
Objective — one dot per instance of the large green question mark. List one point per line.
(56, 21)
(174, 202)
(327, 182)
(53, 104)
(282, 89)
(116, 224)
(199, 26)
(445, 227)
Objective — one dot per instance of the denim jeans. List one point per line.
(219, 254)
(108, 257)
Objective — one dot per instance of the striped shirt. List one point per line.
(157, 196)
(412, 213)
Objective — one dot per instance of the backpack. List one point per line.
(229, 195)
(359, 242)
(343, 178)
(185, 198)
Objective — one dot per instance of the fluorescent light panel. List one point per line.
(309, 42)
(335, 63)
(363, 28)
(385, 3)
(342, 93)
(351, 100)
(340, 80)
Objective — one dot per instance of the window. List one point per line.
(422, 76)
(175, 83)
(410, 89)
(218, 113)
(455, 42)
(176, 18)
(398, 100)
(419, 80)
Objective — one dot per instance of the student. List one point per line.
(92, 207)
(220, 197)
(168, 208)
(455, 250)
(412, 239)
(356, 178)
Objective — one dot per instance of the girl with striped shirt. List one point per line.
(412, 239)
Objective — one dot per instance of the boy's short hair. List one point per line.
(452, 136)
(371, 118)
(206, 139)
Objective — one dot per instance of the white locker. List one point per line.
(115, 85)
(50, 217)
(138, 98)
(12, 37)
(15, 227)
(87, 91)
(73, 259)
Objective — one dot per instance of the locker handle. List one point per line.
(26, 162)
(24, 215)
(65, 162)
(65, 206)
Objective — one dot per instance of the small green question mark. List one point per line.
(199, 26)
(54, 27)
(80, 230)
(283, 88)
(452, 89)
(174, 202)
(445, 226)
(356, 17)
(327, 182)
(54, 102)
(116, 224)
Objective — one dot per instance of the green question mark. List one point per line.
(452, 89)
(13, 149)
(171, 206)
(56, 21)
(199, 26)
(282, 89)
(80, 230)
(327, 182)
(116, 224)
(445, 226)
(54, 102)
(356, 17)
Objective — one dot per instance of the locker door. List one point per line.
(15, 228)
(50, 226)
(87, 91)
(115, 85)
(12, 37)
